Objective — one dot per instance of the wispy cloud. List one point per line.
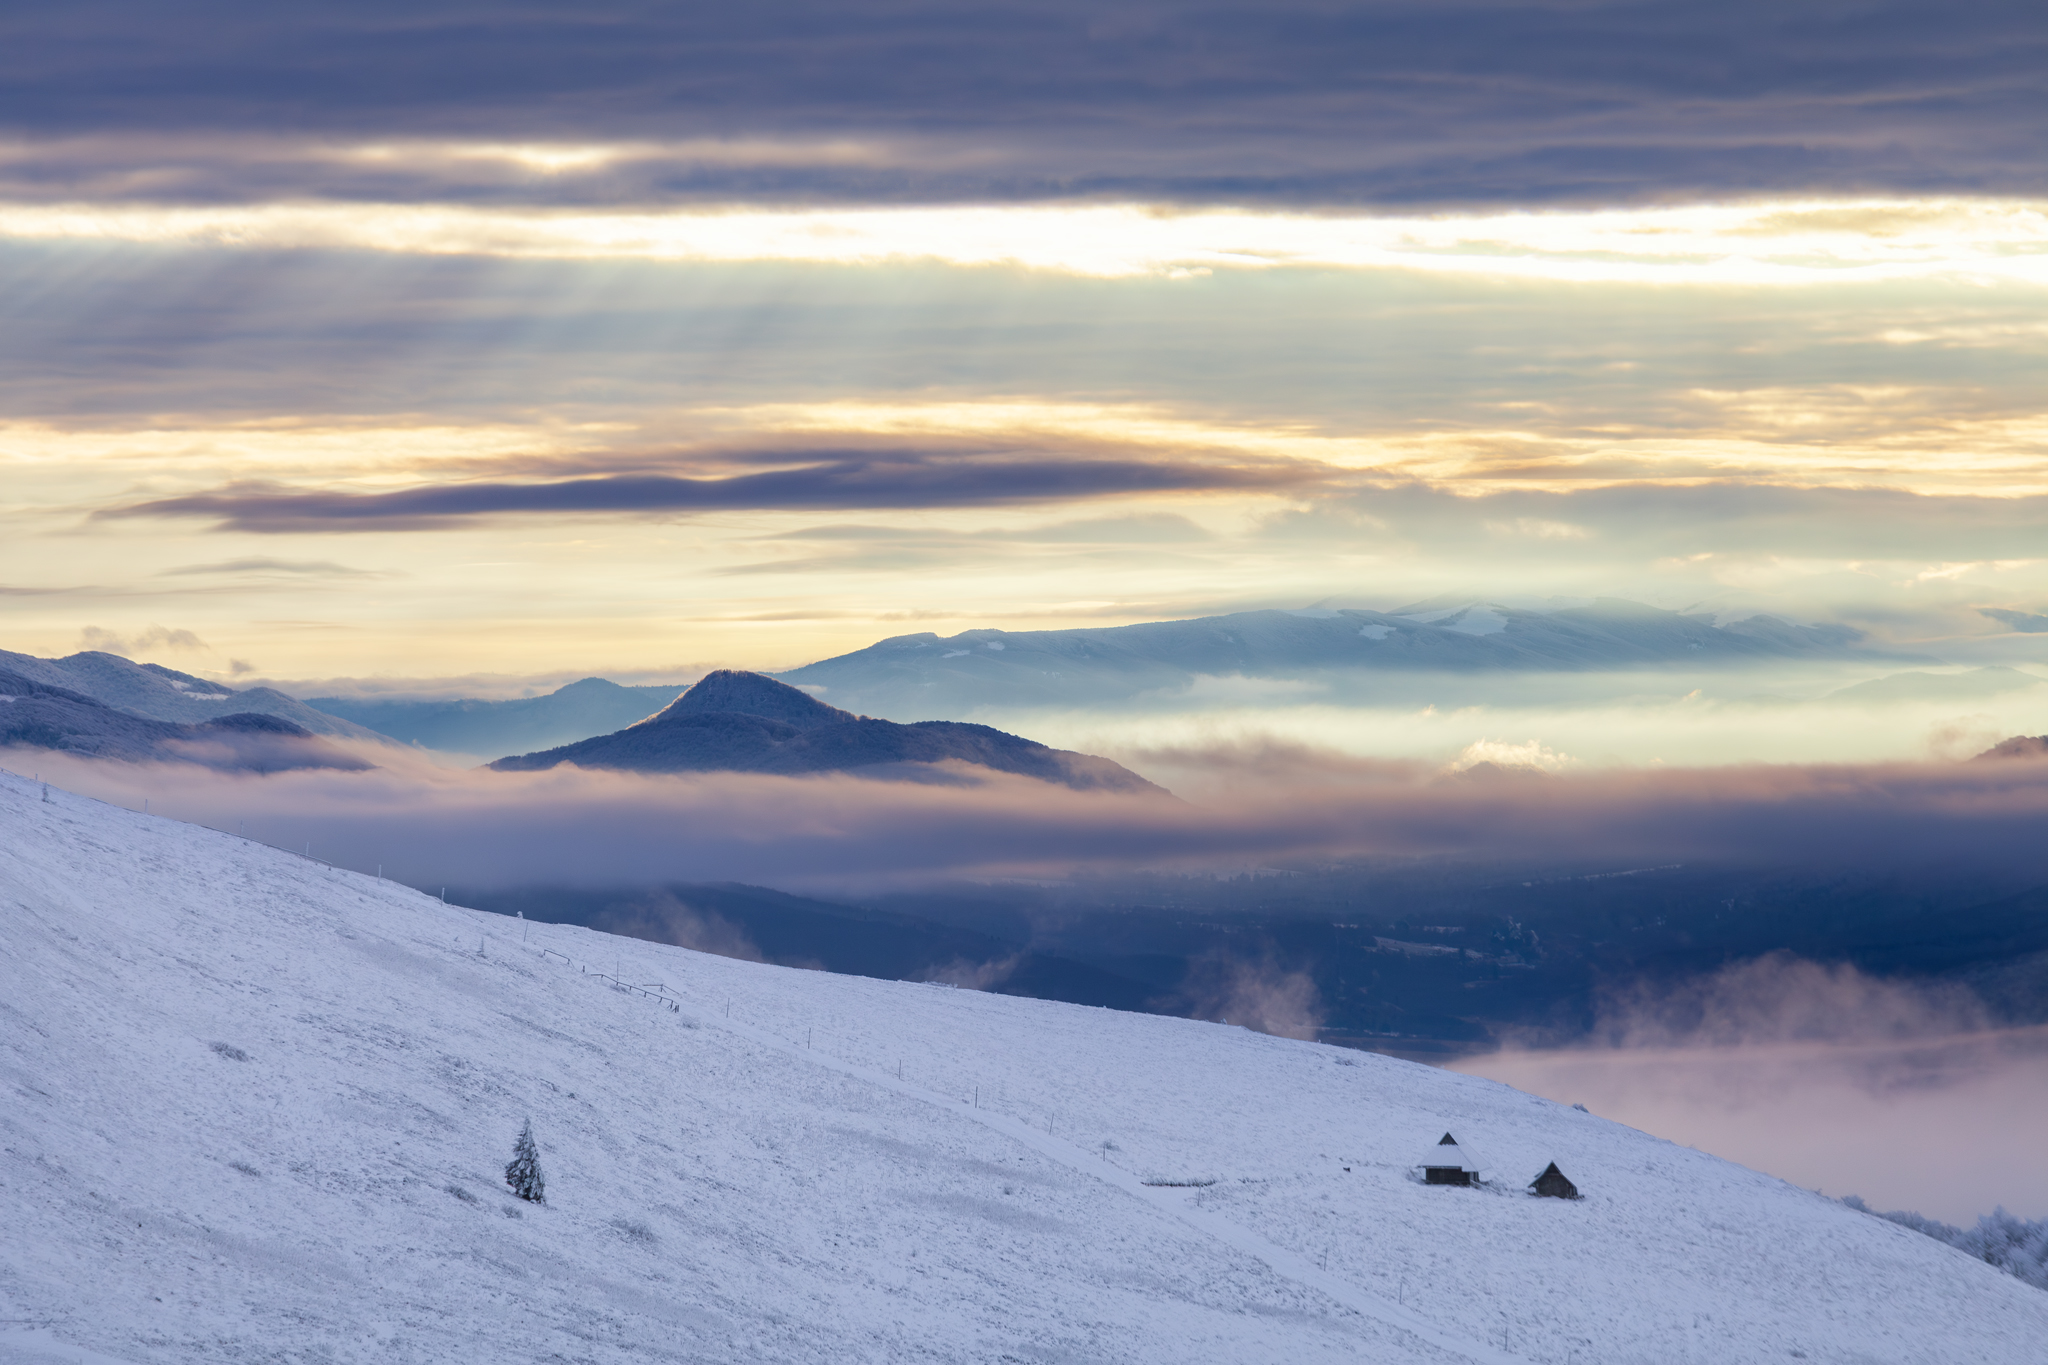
(154, 637)
(1253, 993)
(308, 568)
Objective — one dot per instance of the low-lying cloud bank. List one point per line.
(1834, 1080)
(1255, 805)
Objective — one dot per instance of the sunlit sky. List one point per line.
(544, 369)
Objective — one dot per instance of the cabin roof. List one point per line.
(1448, 1152)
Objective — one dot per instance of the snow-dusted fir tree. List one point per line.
(522, 1172)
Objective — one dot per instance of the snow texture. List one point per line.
(2018, 1246)
(256, 1108)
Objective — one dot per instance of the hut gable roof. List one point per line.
(1447, 1152)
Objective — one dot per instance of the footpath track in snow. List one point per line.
(1283, 1263)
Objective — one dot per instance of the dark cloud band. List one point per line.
(1410, 101)
(912, 482)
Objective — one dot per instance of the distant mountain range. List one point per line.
(36, 715)
(1366, 653)
(465, 726)
(747, 722)
(929, 674)
(158, 693)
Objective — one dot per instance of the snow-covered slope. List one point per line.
(258, 1109)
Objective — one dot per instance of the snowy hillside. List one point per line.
(258, 1109)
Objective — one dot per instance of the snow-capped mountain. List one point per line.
(259, 1108)
(36, 715)
(158, 693)
(925, 674)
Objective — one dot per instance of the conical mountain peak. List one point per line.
(755, 694)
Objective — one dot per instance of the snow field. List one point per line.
(763, 1187)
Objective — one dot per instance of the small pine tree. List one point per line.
(522, 1173)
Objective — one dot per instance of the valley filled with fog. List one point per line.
(1486, 868)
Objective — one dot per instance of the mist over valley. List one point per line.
(1487, 908)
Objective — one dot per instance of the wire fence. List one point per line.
(658, 991)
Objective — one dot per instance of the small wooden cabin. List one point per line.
(1450, 1164)
(1552, 1184)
